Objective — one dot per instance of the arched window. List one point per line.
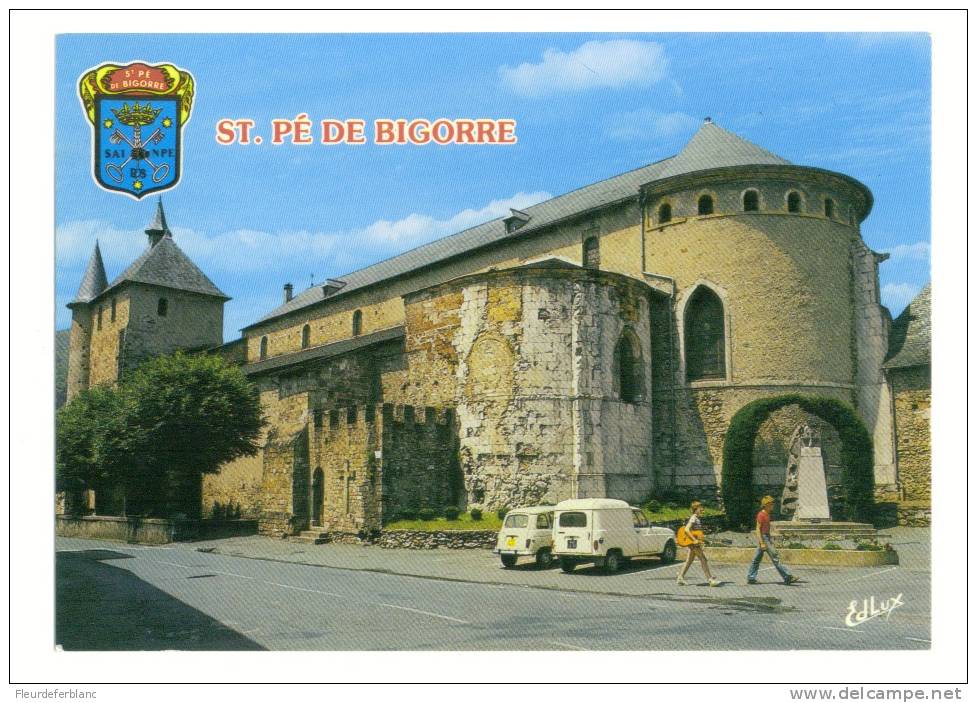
(793, 201)
(751, 201)
(306, 334)
(627, 366)
(357, 323)
(591, 253)
(829, 207)
(162, 307)
(705, 205)
(263, 348)
(705, 336)
(664, 213)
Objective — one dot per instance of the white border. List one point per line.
(31, 387)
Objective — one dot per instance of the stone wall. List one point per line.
(420, 460)
(911, 390)
(448, 539)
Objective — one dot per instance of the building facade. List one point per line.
(596, 344)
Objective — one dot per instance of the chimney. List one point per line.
(288, 292)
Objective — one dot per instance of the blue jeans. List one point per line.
(758, 557)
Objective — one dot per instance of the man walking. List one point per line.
(765, 544)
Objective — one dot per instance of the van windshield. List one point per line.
(573, 519)
(516, 520)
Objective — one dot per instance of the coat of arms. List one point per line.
(137, 114)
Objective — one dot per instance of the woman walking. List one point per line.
(694, 538)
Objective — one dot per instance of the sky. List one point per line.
(588, 107)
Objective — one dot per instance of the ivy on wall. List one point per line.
(858, 482)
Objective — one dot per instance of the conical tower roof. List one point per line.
(713, 147)
(157, 228)
(94, 280)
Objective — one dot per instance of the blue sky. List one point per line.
(588, 107)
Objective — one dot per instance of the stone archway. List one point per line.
(858, 481)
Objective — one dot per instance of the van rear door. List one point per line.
(573, 531)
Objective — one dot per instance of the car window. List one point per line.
(639, 518)
(516, 520)
(543, 521)
(573, 519)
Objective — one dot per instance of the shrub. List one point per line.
(831, 546)
(739, 499)
(476, 514)
(426, 514)
(451, 513)
(869, 547)
(217, 511)
(501, 512)
(653, 506)
(796, 545)
(408, 514)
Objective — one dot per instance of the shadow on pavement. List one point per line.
(102, 607)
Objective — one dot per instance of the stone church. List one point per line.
(595, 344)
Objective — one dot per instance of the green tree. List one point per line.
(193, 413)
(95, 442)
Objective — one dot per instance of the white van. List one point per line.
(526, 532)
(607, 533)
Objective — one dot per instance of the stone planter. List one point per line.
(808, 557)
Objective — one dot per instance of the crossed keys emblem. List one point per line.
(137, 118)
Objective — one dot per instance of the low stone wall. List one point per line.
(911, 515)
(150, 530)
(710, 524)
(448, 539)
(124, 529)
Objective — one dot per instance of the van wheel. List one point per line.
(508, 560)
(544, 558)
(568, 565)
(668, 553)
(612, 562)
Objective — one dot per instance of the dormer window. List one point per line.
(514, 221)
(664, 213)
(705, 205)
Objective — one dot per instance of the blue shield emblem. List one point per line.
(137, 113)
(137, 144)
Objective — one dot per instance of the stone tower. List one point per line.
(160, 304)
(772, 292)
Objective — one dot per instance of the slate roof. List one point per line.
(165, 264)
(714, 147)
(909, 336)
(325, 351)
(711, 147)
(94, 281)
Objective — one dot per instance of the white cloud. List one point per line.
(917, 251)
(896, 296)
(251, 265)
(597, 64)
(648, 124)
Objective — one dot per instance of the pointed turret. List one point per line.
(158, 229)
(94, 280)
(714, 147)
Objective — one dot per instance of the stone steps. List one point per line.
(310, 537)
(823, 530)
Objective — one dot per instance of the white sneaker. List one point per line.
(714, 582)
(680, 581)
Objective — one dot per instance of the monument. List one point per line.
(805, 496)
